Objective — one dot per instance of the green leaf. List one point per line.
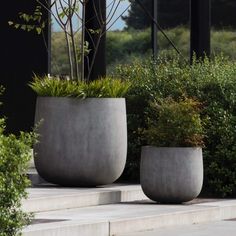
(23, 27)
(17, 26)
(38, 30)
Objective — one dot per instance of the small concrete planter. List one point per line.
(82, 142)
(171, 175)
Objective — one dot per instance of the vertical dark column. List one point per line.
(200, 28)
(154, 29)
(22, 54)
(95, 14)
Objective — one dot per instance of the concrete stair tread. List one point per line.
(51, 197)
(216, 228)
(68, 228)
(122, 218)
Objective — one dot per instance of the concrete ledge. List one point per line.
(210, 212)
(56, 198)
(217, 228)
(114, 210)
(71, 228)
(35, 177)
(131, 217)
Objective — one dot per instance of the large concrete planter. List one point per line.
(171, 175)
(82, 142)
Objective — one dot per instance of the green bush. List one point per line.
(213, 84)
(173, 123)
(15, 153)
(56, 87)
(123, 47)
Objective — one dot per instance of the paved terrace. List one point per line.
(122, 209)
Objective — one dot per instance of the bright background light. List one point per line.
(119, 24)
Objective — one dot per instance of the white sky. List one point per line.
(119, 24)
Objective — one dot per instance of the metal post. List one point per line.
(95, 13)
(200, 28)
(22, 55)
(154, 28)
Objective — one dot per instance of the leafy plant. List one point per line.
(174, 123)
(125, 47)
(103, 88)
(65, 13)
(31, 22)
(212, 83)
(15, 153)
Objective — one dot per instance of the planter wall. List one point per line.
(82, 142)
(171, 175)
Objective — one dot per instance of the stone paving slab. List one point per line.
(218, 228)
(68, 228)
(51, 197)
(138, 216)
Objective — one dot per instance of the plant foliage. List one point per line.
(82, 32)
(213, 84)
(174, 123)
(56, 87)
(124, 47)
(15, 153)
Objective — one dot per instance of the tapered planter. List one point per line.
(83, 142)
(171, 175)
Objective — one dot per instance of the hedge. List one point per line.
(213, 83)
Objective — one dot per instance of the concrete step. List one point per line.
(128, 217)
(34, 177)
(48, 197)
(217, 228)
(68, 228)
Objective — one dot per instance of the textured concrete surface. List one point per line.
(49, 197)
(77, 211)
(68, 228)
(218, 228)
(171, 175)
(140, 216)
(34, 177)
(83, 142)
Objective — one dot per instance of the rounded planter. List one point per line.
(171, 175)
(83, 142)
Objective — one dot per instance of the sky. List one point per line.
(119, 24)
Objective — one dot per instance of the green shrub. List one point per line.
(15, 153)
(213, 84)
(174, 123)
(55, 87)
(123, 47)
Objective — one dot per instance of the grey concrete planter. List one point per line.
(82, 142)
(171, 175)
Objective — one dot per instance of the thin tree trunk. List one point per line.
(83, 41)
(69, 55)
(76, 66)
